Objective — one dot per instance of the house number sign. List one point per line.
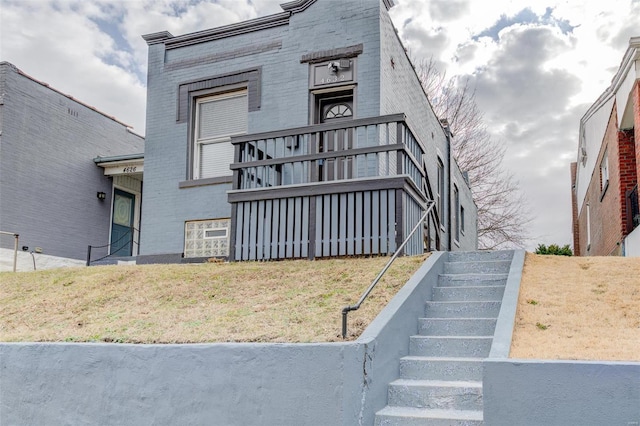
(332, 72)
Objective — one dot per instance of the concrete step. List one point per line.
(489, 309)
(436, 394)
(114, 260)
(484, 255)
(450, 346)
(468, 293)
(440, 368)
(478, 267)
(456, 326)
(446, 280)
(409, 416)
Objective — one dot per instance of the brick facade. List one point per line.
(574, 210)
(636, 122)
(603, 205)
(606, 203)
(628, 174)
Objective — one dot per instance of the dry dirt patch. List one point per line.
(585, 308)
(287, 301)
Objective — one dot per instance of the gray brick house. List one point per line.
(300, 134)
(49, 180)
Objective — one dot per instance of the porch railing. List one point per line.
(338, 189)
(127, 236)
(363, 148)
(349, 308)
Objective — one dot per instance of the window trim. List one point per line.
(456, 214)
(440, 192)
(192, 154)
(604, 169)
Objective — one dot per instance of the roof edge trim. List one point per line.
(631, 55)
(157, 38)
(230, 30)
(296, 5)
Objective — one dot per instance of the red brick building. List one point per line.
(606, 174)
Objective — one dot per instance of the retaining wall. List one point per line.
(226, 383)
(527, 392)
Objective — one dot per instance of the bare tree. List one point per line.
(502, 212)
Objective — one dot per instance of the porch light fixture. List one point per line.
(101, 195)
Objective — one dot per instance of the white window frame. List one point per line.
(223, 139)
(604, 172)
(198, 244)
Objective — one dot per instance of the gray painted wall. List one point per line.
(226, 383)
(48, 180)
(553, 392)
(535, 392)
(284, 103)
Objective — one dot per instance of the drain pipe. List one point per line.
(447, 131)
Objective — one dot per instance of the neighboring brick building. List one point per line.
(605, 178)
(301, 134)
(48, 178)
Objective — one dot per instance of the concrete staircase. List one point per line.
(441, 380)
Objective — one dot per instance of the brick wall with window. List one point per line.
(605, 212)
(628, 173)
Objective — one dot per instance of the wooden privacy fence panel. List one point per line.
(272, 229)
(345, 224)
(355, 223)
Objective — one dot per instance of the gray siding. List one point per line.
(48, 180)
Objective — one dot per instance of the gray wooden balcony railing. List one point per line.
(370, 147)
(347, 188)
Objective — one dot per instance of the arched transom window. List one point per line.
(338, 111)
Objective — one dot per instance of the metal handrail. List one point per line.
(133, 241)
(16, 237)
(347, 309)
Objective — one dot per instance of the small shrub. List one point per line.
(554, 249)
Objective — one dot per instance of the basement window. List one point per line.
(207, 238)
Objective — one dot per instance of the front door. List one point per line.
(332, 108)
(122, 225)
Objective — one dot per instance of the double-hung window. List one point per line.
(217, 119)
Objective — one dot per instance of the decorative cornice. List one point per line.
(328, 55)
(157, 38)
(229, 30)
(297, 5)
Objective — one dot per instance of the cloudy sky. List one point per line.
(536, 65)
